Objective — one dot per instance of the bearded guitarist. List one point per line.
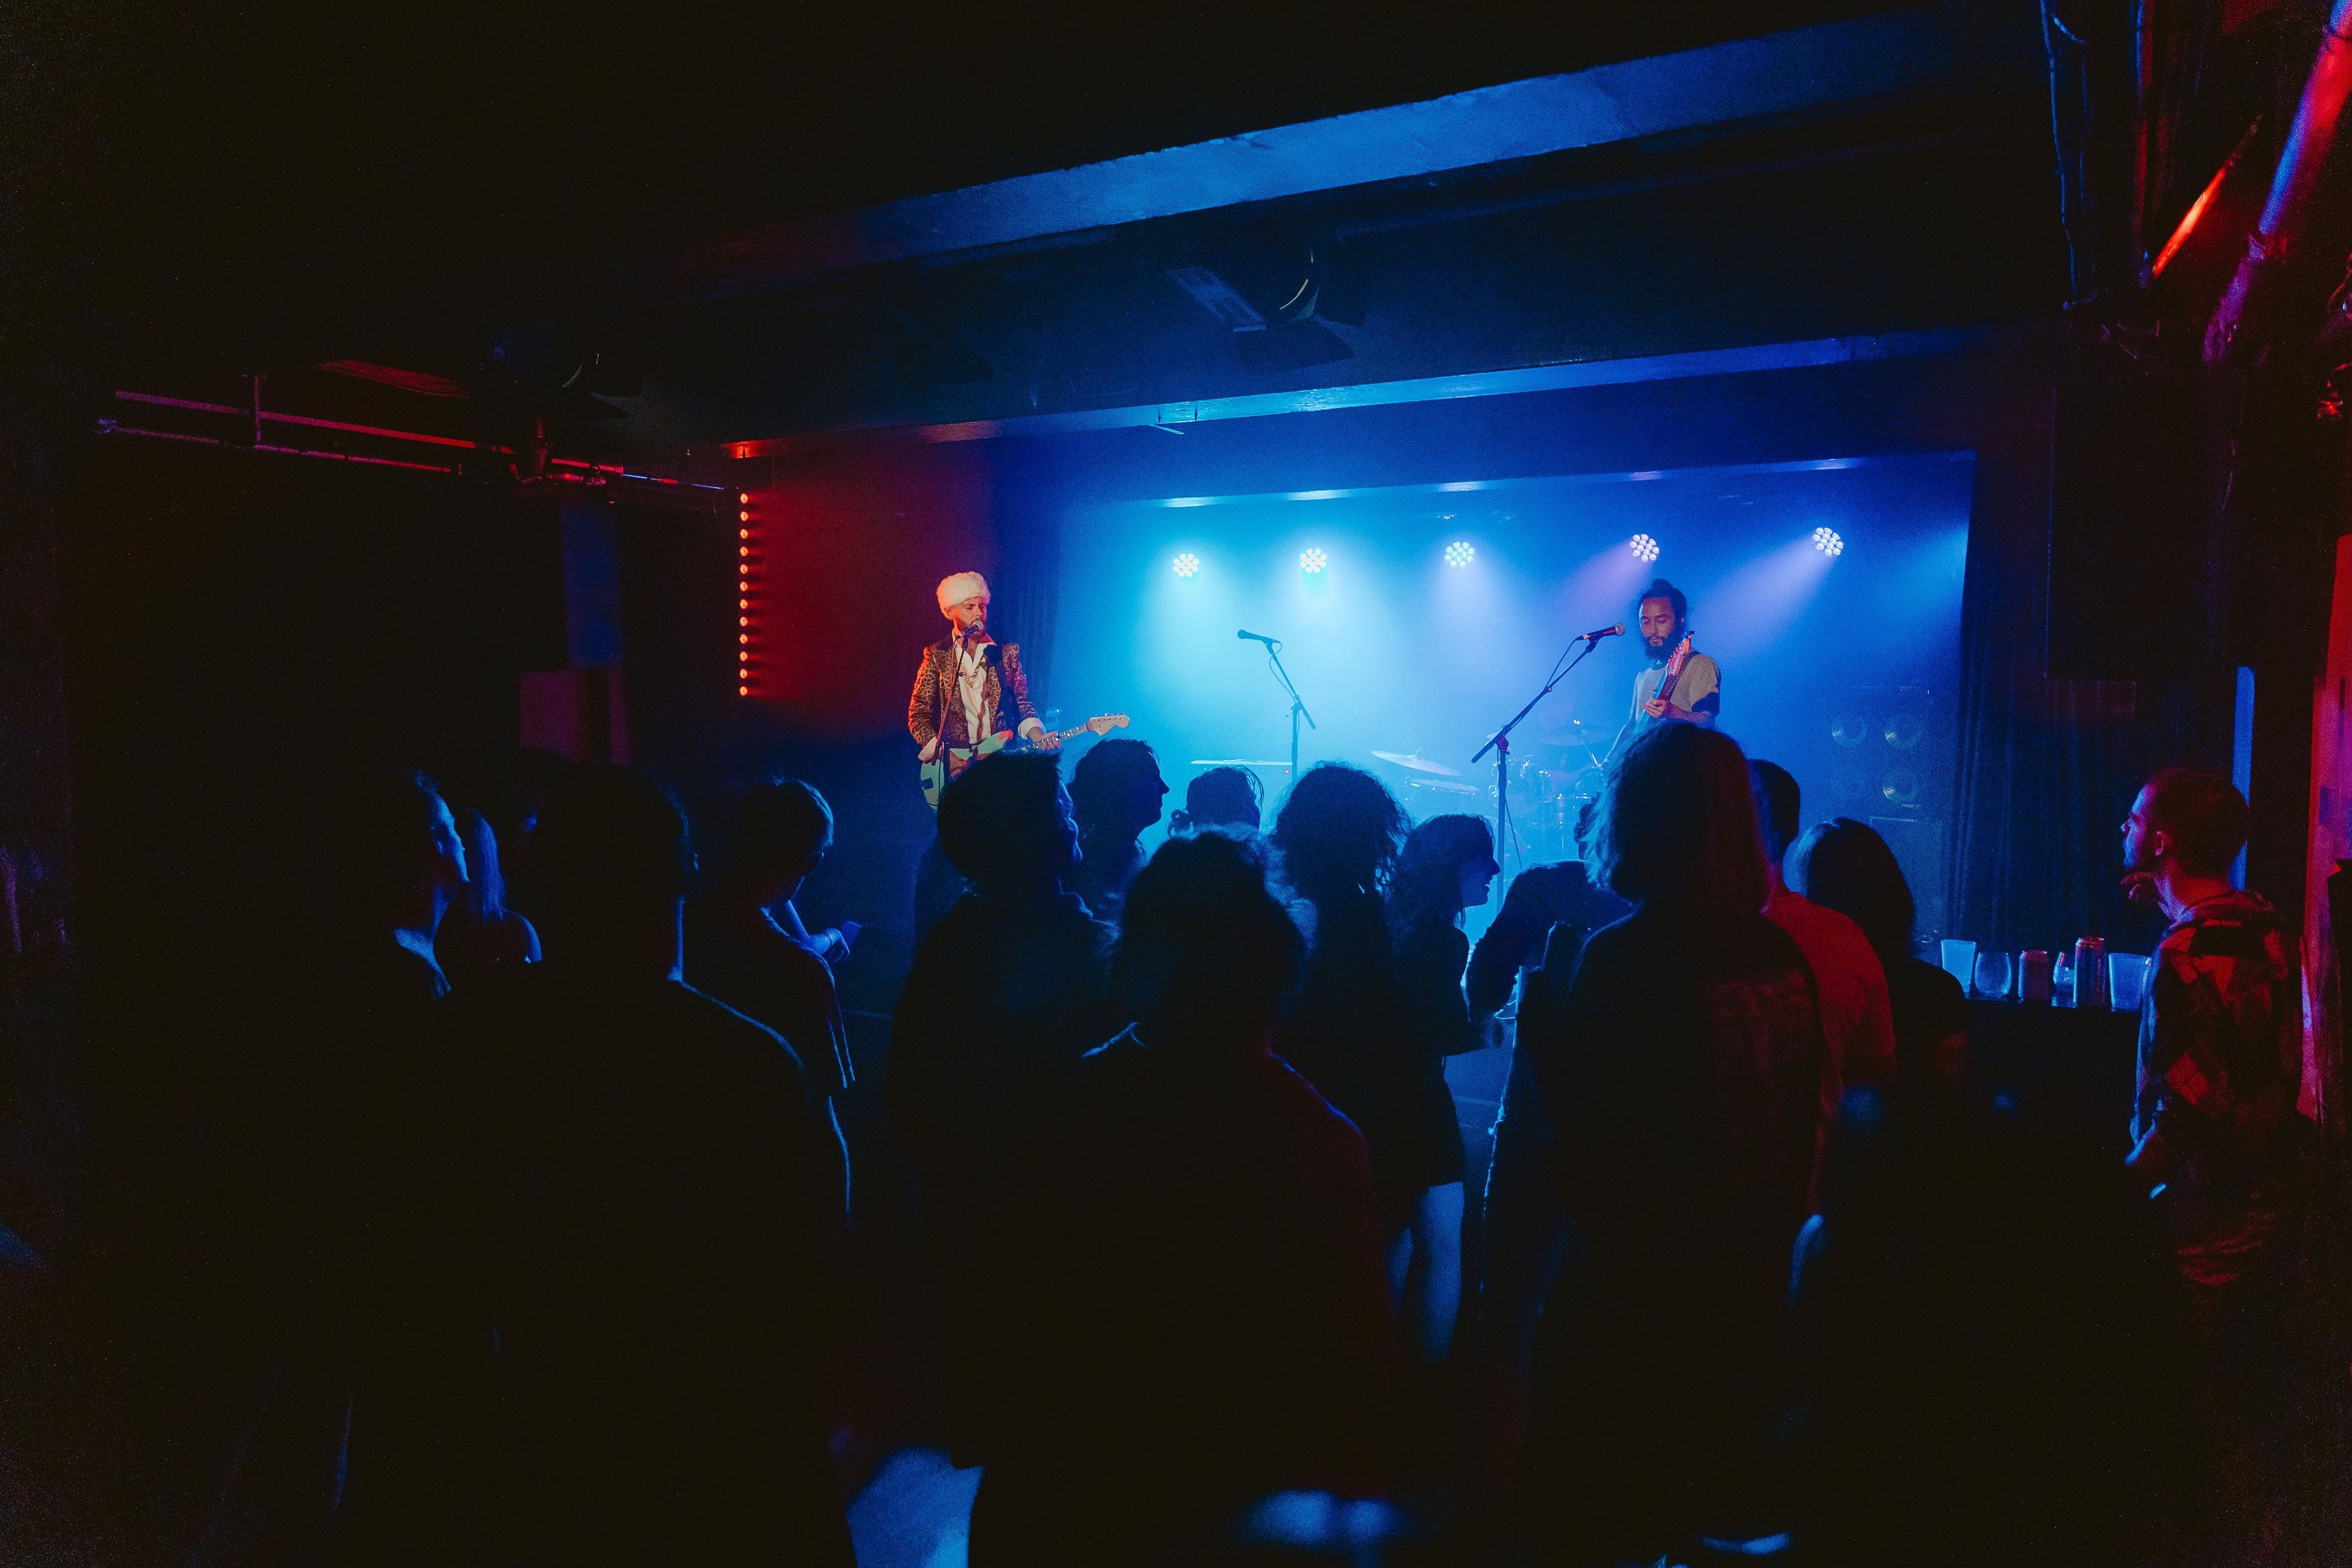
(1679, 684)
(970, 683)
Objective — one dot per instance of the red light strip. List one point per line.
(744, 646)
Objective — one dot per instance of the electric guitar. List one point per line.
(1666, 692)
(952, 759)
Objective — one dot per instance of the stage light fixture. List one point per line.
(742, 497)
(1187, 565)
(1312, 561)
(1645, 548)
(1827, 541)
(1461, 553)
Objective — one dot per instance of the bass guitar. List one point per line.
(952, 759)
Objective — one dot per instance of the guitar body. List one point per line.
(950, 764)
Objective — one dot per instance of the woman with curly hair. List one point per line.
(1338, 835)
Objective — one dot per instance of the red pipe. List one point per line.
(260, 415)
(2237, 330)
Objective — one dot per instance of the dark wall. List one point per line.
(245, 633)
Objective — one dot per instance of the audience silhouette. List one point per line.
(1845, 866)
(1115, 792)
(1338, 836)
(738, 951)
(1447, 865)
(635, 1196)
(1229, 798)
(1857, 1020)
(547, 1244)
(480, 934)
(1006, 993)
(1216, 1303)
(1682, 1076)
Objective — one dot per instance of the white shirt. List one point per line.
(971, 680)
(971, 684)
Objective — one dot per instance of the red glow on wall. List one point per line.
(849, 548)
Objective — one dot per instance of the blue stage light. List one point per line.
(1187, 565)
(1827, 541)
(1645, 549)
(1461, 553)
(1312, 561)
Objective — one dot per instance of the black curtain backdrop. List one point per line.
(2047, 767)
(1030, 496)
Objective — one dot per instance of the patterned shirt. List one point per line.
(2220, 1052)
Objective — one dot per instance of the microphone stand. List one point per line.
(1297, 707)
(1501, 746)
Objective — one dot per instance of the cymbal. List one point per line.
(1418, 763)
(1442, 786)
(1236, 763)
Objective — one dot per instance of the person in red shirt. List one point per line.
(2218, 1139)
(1857, 1019)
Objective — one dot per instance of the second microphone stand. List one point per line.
(1501, 745)
(1297, 705)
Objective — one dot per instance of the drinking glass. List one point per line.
(2127, 980)
(1960, 960)
(1992, 975)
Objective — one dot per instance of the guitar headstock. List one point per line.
(1106, 723)
(1681, 652)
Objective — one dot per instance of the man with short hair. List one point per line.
(2220, 1052)
(1857, 1017)
(1697, 695)
(2215, 1129)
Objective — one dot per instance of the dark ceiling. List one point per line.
(197, 192)
(242, 173)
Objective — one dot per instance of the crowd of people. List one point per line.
(1758, 1269)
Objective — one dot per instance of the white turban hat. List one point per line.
(962, 586)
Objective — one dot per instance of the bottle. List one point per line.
(2091, 972)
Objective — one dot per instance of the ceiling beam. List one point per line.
(1810, 353)
(1949, 47)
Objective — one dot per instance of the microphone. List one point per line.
(1616, 631)
(1258, 636)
